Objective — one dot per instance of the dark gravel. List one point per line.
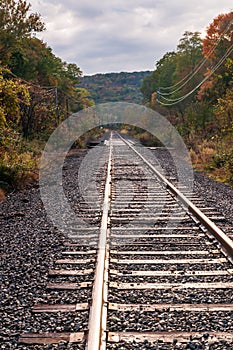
(197, 344)
(187, 296)
(29, 246)
(213, 193)
(159, 321)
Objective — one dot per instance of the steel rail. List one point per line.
(225, 241)
(97, 314)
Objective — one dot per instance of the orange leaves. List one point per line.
(217, 48)
(219, 36)
(17, 20)
(207, 85)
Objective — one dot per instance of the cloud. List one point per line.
(121, 35)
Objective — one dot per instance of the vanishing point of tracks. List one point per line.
(150, 271)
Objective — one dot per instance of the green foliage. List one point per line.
(222, 164)
(83, 98)
(112, 87)
(224, 113)
(13, 95)
(161, 76)
(37, 90)
(16, 19)
(18, 159)
(72, 72)
(172, 68)
(32, 60)
(190, 45)
(16, 23)
(205, 117)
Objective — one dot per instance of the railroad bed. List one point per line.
(146, 270)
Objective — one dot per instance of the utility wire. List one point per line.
(28, 82)
(175, 101)
(227, 53)
(49, 88)
(190, 75)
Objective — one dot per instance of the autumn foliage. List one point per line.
(37, 89)
(197, 94)
(219, 37)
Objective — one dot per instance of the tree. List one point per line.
(224, 113)
(16, 23)
(188, 72)
(217, 48)
(219, 37)
(50, 83)
(34, 61)
(173, 76)
(13, 95)
(189, 54)
(162, 76)
(72, 72)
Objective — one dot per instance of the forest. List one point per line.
(191, 86)
(37, 91)
(113, 87)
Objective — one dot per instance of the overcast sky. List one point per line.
(121, 35)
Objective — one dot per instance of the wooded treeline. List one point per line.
(113, 87)
(193, 87)
(37, 89)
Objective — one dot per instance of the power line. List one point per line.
(26, 81)
(190, 75)
(175, 101)
(49, 88)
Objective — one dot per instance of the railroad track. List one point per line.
(151, 271)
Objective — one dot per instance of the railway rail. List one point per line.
(153, 270)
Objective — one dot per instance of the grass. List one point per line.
(20, 158)
(19, 161)
(215, 159)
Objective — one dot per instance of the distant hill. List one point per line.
(113, 87)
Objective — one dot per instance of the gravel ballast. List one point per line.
(30, 245)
